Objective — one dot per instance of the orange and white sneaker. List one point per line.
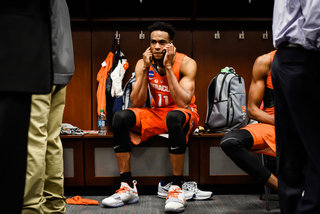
(175, 201)
(124, 195)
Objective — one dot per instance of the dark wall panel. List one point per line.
(78, 99)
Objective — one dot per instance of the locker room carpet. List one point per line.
(151, 204)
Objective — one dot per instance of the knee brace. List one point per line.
(236, 140)
(177, 148)
(177, 140)
(122, 122)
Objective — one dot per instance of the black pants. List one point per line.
(296, 75)
(236, 145)
(14, 127)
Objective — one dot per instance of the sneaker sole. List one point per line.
(134, 201)
(162, 195)
(202, 197)
(174, 210)
(112, 205)
(120, 205)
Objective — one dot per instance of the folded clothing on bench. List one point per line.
(78, 200)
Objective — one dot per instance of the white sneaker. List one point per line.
(191, 188)
(124, 195)
(163, 191)
(175, 201)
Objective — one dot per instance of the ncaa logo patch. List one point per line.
(151, 74)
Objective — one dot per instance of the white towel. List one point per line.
(117, 76)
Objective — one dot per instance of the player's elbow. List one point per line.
(250, 115)
(250, 112)
(183, 104)
(137, 103)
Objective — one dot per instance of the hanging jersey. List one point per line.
(159, 86)
(102, 77)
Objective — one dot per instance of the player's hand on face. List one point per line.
(147, 55)
(170, 53)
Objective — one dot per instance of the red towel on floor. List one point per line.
(78, 200)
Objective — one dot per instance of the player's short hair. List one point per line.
(163, 26)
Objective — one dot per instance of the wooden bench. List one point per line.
(90, 161)
(73, 160)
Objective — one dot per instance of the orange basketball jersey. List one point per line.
(159, 86)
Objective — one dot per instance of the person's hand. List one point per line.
(169, 56)
(147, 55)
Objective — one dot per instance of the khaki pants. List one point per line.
(44, 191)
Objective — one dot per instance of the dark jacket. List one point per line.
(62, 47)
(25, 46)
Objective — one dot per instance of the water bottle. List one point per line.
(102, 123)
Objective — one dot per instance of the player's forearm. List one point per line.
(182, 101)
(260, 115)
(139, 99)
(139, 91)
(180, 96)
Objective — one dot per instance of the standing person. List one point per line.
(26, 69)
(295, 75)
(171, 78)
(44, 190)
(259, 136)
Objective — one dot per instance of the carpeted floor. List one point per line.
(218, 204)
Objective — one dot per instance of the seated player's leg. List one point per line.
(177, 147)
(236, 145)
(177, 142)
(122, 122)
